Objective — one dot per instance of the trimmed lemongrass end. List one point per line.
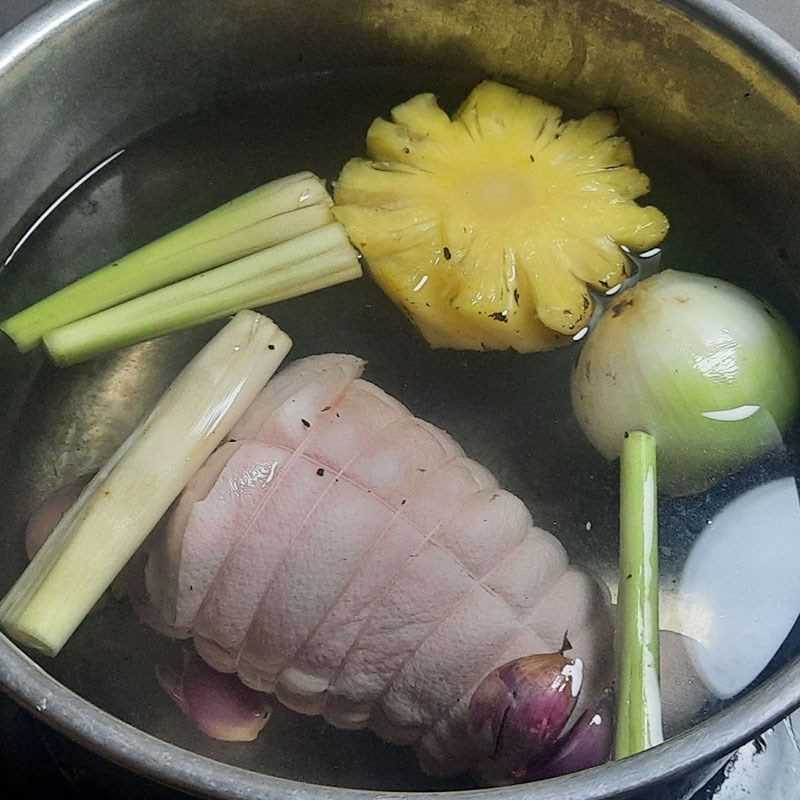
(316, 260)
(219, 704)
(123, 502)
(520, 709)
(264, 217)
(638, 725)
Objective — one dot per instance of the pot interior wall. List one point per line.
(211, 97)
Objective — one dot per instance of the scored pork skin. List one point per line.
(350, 558)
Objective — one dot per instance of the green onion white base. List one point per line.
(638, 725)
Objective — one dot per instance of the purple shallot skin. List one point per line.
(219, 704)
(587, 744)
(520, 709)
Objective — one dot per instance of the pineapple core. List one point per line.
(490, 228)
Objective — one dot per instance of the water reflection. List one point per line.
(57, 202)
(739, 593)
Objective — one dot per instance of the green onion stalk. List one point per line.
(638, 719)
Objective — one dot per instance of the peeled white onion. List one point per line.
(707, 368)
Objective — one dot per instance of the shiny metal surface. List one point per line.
(85, 77)
(769, 767)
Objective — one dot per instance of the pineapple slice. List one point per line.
(489, 229)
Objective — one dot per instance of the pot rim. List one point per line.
(104, 734)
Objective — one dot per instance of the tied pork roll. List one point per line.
(349, 558)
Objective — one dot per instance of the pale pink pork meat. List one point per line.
(351, 559)
(49, 513)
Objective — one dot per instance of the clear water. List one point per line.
(511, 412)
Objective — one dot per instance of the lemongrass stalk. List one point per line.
(638, 725)
(263, 217)
(124, 501)
(310, 262)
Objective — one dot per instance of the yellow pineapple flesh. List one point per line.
(490, 228)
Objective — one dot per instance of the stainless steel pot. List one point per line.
(84, 76)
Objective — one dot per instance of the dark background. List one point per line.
(35, 762)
